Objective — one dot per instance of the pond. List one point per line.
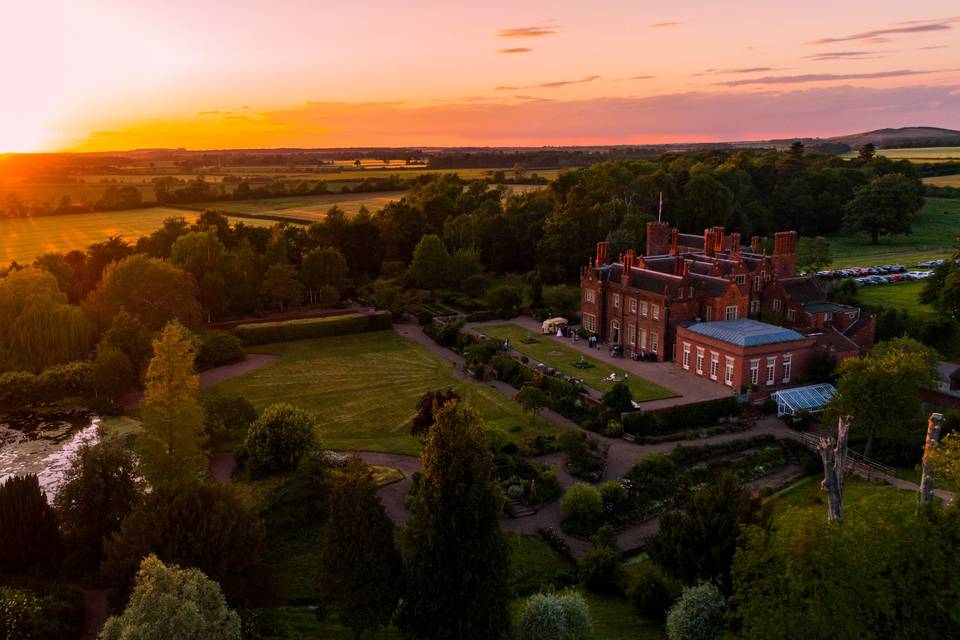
(43, 442)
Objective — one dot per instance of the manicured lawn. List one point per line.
(613, 618)
(805, 499)
(536, 564)
(363, 389)
(935, 231)
(898, 296)
(556, 355)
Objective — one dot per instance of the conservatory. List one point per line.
(811, 399)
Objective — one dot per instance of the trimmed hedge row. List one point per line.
(304, 329)
(682, 418)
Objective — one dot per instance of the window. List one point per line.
(728, 372)
(754, 371)
(589, 296)
(656, 312)
(643, 339)
(754, 306)
(632, 333)
(654, 338)
(643, 309)
(791, 315)
(691, 293)
(686, 355)
(766, 278)
(700, 360)
(787, 366)
(709, 314)
(590, 322)
(615, 331)
(777, 304)
(633, 305)
(741, 278)
(732, 312)
(771, 367)
(828, 317)
(616, 301)
(714, 364)
(756, 284)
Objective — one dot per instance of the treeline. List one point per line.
(113, 199)
(169, 190)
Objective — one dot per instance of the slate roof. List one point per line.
(710, 285)
(690, 240)
(745, 333)
(825, 307)
(802, 289)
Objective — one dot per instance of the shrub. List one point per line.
(504, 299)
(599, 569)
(267, 332)
(653, 480)
(698, 614)
(40, 613)
(618, 400)
(219, 348)
(616, 499)
(20, 613)
(651, 592)
(582, 508)
(225, 415)
(552, 616)
(112, 373)
(278, 439)
(682, 418)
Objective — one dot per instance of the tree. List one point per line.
(618, 399)
(201, 254)
(458, 561)
(323, 268)
(361, 571)
(651, 592)
(532, 399)
(877, 390)
(536, 289)
(112, 373)
(280, 287)
(706, 203)
(205, 526)
(427, 404)
(653, 479)
(942, 290)
(278, 439)
(430, 267)
(710, 520)
(153, 290)
(130, 337)
(867, 151)
(698, 614)
(28, 526)
(813, 254)
(582, 505)
(170, 443)
(225, 415)
(885, 206)
(102, 486)
(170, 602)
(504, 299)
(555, 616)
(833, 453)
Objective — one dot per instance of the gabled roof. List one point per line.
(690, 240)
(710, 285)
(826, 307)
(745, 332)
(802, 289)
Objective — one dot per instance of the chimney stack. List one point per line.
(734, 244)
(708, 242)
(602, 257)
(755, 244)
(674, 241)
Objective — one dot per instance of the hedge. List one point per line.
(682, 418)
(688, 455)
(268, 332)
(23, 388)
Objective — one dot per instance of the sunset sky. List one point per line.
(91, 75)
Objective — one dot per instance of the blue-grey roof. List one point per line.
(745, 333)
(812, 398)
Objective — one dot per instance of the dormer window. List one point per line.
(741, 278)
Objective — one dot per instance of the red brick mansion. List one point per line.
(640, 302)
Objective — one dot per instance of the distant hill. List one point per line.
(904, 137)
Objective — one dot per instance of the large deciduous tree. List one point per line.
(323, 269)
(458, 564)
(430, 268)
(885, 206)
(170, 443)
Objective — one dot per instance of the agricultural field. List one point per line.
(23, 239)
(558, 356)
(943, 181)
(363, 389)
(935, 232)
(919, 154)
(304, 207)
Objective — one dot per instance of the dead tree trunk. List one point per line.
(934, 425)
(834, 456)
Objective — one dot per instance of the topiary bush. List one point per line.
(699, 614)
(278, 439)
(218, 348)
(582, 509)
(552, 616)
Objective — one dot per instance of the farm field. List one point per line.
(919, 154)
(363, 389)
(898, 296)
(306, 207)
(935, 231)
(561, 357)
(23, 239)
(943, 181)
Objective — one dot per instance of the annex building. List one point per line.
(685, 280)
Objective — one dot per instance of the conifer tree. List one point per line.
(28, 526)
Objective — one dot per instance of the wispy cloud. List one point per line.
(642, 77)
(516, 50)
(821, 77)
(744, 70)
(658, 25)
(876, 36)
(846, 55)
(548, 85)
(526, 32)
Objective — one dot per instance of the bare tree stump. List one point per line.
(834, 456)
(934, 425)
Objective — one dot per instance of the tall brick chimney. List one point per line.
(658, 238)
(602, 256)
(755, 244)
(734, 244)
(785, 254)
(674, 241)
(708, 241)
(718, 237)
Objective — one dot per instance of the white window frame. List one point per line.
(615, 327)
(654, 342)
(741, 278)
(686, 356)
(756, 284)
(754, 372)
(643, 339)
(590, 322)
(714, 365)
(791, 315)
(777, 304)
(616, 301)
(700, 354)
(828, 316)
(755, 306)
(632, 334)
(656, 312)
(728, 371)
(643, 309)
(734, 310)
(589, 296)
(633, 305)
(771, 371)
(787, 367)
(708, 315)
